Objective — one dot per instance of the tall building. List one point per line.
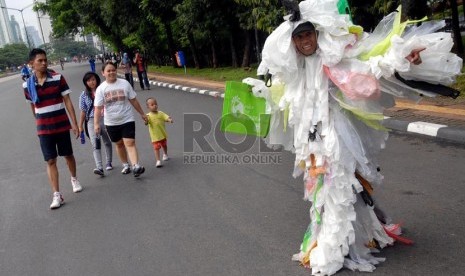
(34, 38)
(5, 29)
(15, 31)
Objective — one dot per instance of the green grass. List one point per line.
(460, 85)
(219, 74)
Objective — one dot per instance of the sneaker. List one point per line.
(138, 171)
(99, 171)
(158, 165)
(126, 170)
(165, 157)
(109, 167)
(57, 201)
(76, 185)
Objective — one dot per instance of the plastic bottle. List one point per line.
(83, 138)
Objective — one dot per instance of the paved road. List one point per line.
(204, 219)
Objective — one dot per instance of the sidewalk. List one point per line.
(439, 117)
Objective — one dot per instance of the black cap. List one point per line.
(303, 27)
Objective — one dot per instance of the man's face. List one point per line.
(40, 63)
(305, 42)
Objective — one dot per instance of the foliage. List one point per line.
(218, 74)
(263, 15)
(13, 55)
(112, 21)
(66, 47)
(209, 32)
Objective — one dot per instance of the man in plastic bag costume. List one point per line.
(330, 84)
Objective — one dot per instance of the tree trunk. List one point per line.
(234, 62)
(214, 57)
(246, 57)
(193, 46)
(171, 46)
(257, 46)
(456, 28)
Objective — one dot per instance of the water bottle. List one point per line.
(83, 138)
(97, 142)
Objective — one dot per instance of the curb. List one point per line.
(206, 92)
(423, 128)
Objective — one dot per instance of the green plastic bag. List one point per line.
(343, 8)
(243, 113)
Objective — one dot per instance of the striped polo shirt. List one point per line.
(50, 111)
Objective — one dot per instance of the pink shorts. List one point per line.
(159, 144)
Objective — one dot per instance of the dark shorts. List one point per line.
(54, 145)
(127, 130)
(159, 144)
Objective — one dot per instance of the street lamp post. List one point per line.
(40, 23)
(24, 24)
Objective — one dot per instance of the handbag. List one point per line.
(243, 113)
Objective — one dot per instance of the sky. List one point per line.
(30, 17)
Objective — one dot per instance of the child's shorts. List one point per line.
(159, 144)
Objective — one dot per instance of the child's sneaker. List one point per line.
(158, 165)
(138, 171)
(98, 171)
(109, 167)
(165, 157)
(76, 185)
(57, 200)
(126, 169)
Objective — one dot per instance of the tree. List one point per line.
(255, 16)
(164, 11)
(110, 20)
(456, 28)
(13, 55)
(414, 9)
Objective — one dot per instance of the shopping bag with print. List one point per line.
(243, 113)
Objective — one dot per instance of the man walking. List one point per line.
(48, 94)
(141, 67)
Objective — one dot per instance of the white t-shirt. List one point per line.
(115, 99)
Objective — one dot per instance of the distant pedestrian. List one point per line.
(92, 63)
(126, 63)
(115, 97)
(48, 94)
(86, 103)
(156, 123)
(25, 72)
(141, 66)
(62, 63)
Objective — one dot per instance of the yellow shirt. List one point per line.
(156, 124)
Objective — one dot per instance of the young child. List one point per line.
(156, 123)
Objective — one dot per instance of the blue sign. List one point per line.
(180, 58)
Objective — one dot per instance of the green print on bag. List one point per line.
(243, 113)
